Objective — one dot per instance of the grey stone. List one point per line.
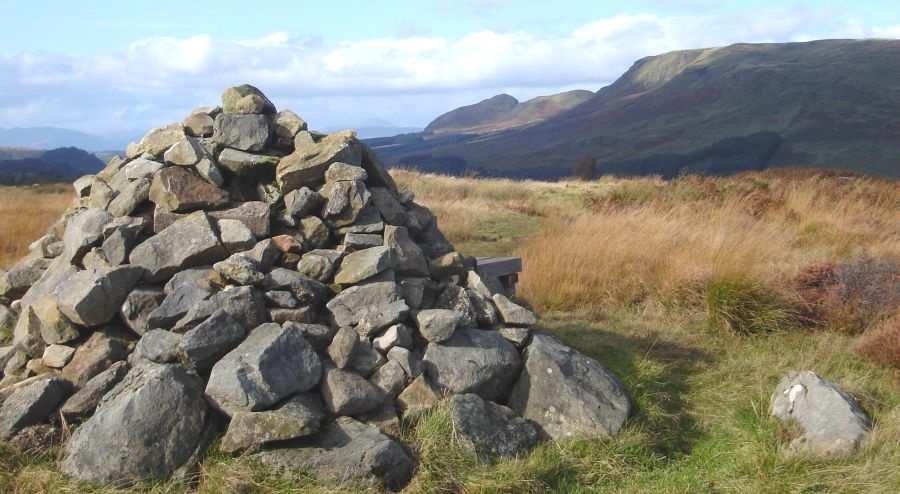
(568, 394)
(339, 171)
(368, 221)
(411, 363)
(247, 165)
(101, 194)
(141, 168)
(156, 141)
(307, 290)
(832, 422)
(447, 265)
(414, 291)
(390, 379)
(302, 202)
(483, 307)
(473, 361)
(85, 401)
(27, 333)
(6, 354)
(282, 299)
(420, 396)
(91, 298)
(513, 314)
(437, 325)
(410, 258)
(396, 335)
(309, 161)
(365, 359)
(253, 214)
(83, 184)
(15, 360)
(434, 244)
(15, 282)
(118, 245)
(516, 336)
(92, 357)
(55, 328)
(178, 190)
(209, 171)
(316, 267)
(211, 340)
(286, 125)
(345, 451)
(314, 232)
(357, 241)
(488, 429)
(139, 305)
(352, 304)
(235, 235)
(264, 254)
(119, 447)
(157, 345)
(342, 346)
(387, 204)
(56, 273)
(384, 417)
(243, 132)
(186, 152)
(231, 99)
(240, 270)
(344, 203)
(187, 243)
(365, 263)
(486, 286)
(379, 317)
(198, 125)
(57, 356)
(244, 303)
(298, 417)
(454, 297)
(318, 335)
(30, 404)
(188, 290)
(347, 393)
(269, 365)
(84, 231)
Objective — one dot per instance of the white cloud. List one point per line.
(405, 79)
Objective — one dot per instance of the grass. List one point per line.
(25, 215)
(685, 289)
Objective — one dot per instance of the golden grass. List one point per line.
(25, 215)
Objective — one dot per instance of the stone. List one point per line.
(318, 335)
(302, 202)
(385, 418)
(411, 363)
(57, 356)
(314, 232)
(268, 366)
(396, 335)
(447, 265)
(247, 132)
(377, 318)
(83, 184)
(247, 165)
(368, 221)
(307, 290)
(516, 336)
(139, 304)
(484, 310)
(300, 416)
(55, 328)
(83, 232)
(568, 394)
(187, 243)
(264, 254)
(410, 258)
(37, 366)
(473, 361)
(286, 125)
(490, 430)
(486, 286)
(437, 325)
(309, 161)
(338, 171)
(302, 315)
(176, 189)
(347, 393)
(92, 298)
(186, 152)
(14, 360)
(345, 450)
(251, 103)
(414, 290)
(188, 288)
(209, 171)
(435, 245)
(365, 359)
(341, 348)
(92, 357)
(365, 263)
(387, 204)
(85, 401)
(281, 299)
(30, 404)
(240, 270)
(15, 282)
(244, 303)
(253, 214)
(454, 297)
(198, 125)
(157, 345)
(6, 354)
(119, 447)
(344, 202)
(117, 246)
(352, 304)
(233, 95)
(101, 195)
(357, 241)
(316, 267)
(390, 379)
(417, 398)
(832, 422)
(141, 168)
(513, 314)
(156, 141)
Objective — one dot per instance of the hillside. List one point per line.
(28, 166)
(830, 104)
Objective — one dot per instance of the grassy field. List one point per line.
(700, 293)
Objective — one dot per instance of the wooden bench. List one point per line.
(506, 269)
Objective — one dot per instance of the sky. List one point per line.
(125, 66)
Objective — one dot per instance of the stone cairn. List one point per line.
(238, 278)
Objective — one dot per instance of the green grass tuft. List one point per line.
(742, 306)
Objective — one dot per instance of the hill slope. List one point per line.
(27, 166)
(830, 103)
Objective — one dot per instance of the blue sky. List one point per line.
(104, 66)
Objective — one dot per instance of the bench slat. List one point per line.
(498, 266)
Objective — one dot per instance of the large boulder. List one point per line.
(269, 365)
(365, 263)
(488, 429)
(148, 426)
(345, 451)
(308, 163)
(249, 132)
(832, 422)
(353, 304)
(473, 361)
(94, 297)
(568, 394)
(299, 416)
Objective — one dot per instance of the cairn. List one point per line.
(239, 278)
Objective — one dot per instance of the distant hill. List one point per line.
(55, 137)
(829, 104)
(27, 166)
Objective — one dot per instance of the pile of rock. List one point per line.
(238, 273)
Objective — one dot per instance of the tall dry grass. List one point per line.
(25, 215)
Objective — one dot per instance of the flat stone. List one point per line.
(15, 282)
(209, 171)
(244, 132)
(117, 446)
(31, 404)
(368, 221)
(832, 422)
(84, 231)
(156, 141)
(300, 416)
(188, 242)
(485, 312)
(85, 401)
(396, 335)
(244, 303)
(301, 315)
(57, 356)
(488, 429)
(118, 245)
(357, 241)
(309, 161)
(141, 168)
(316, 267)
(253, 214)
(411, 363)
(91, 298)
(345, 451)
(568, 394)
(286, 125)
(473, 361)
(186, 152)
(268, 366)
(265, 254)
(341, 348)
(211, 340)
(139, 305)
(247, 165)
(513, 314)
(157, 345)
(307, 290)
(101, 195)
(365, 263)
(92, 357)
(347, 393)
(176, 189)
(302, 202)
(516, 336)
(352, 304)
(240, 270)
(420, 396)
(339, 171)
(281, 299)
(188, 288)
(318, 335)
